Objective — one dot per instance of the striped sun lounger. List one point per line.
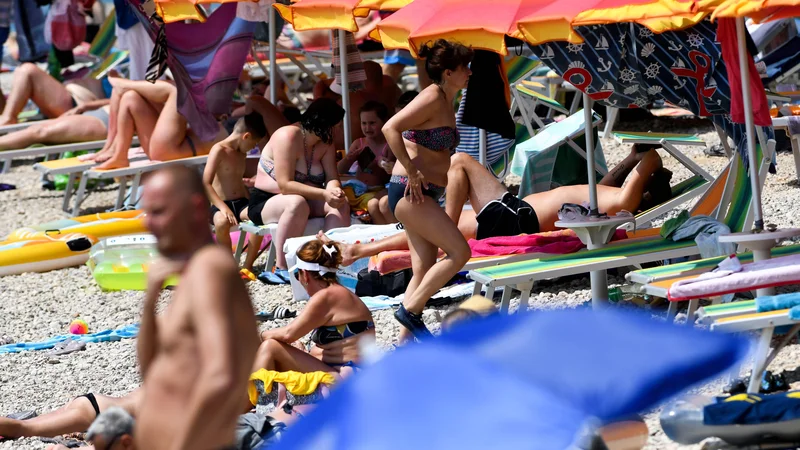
(523, 274)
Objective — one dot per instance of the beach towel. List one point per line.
(554, 242)
(358, 202)
(355, 66)
(777, 302)
(770, 273)
(125, 332)
(206, 60)
(488, 106)
(29, 22)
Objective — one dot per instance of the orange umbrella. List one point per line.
(759, 10)
(179, 10)
(483, 26)
(333, 14)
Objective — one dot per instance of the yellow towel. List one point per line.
(297, 383)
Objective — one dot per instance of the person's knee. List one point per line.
(41, 133)
(461, 253)
(297, 206)
(460, 159)
(373, 205)
(27, 69)
(221, 224)
(268, 349)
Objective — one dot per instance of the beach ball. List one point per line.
(78, 326)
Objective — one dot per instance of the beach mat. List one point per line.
(125, 332)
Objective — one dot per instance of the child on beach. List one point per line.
(374, 161)
(223, 181)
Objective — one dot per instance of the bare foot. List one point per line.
(7, 120)
(114, 163)
(88, 158)
(349, 256)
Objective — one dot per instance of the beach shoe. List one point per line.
(280, 312)
(279, 276)
(413, 322)
(5, 340)
(246, 275)
(66, 347)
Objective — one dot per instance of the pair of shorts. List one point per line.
(258, 199)
(506, 216)
(397, 188)
(398, 56)
(236, 206)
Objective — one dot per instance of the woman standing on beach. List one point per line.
(422, 136)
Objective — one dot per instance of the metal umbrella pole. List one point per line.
(273, 63)
(345, 88)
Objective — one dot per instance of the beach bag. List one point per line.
(65, 26)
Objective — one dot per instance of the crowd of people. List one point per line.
(400, 164)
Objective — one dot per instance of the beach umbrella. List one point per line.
(340, 15)
(533, 380)
(182, 10)
(759, 10)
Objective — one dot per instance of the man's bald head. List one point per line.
(176, 204)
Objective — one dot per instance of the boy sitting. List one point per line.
(374, 162)
(224, 185)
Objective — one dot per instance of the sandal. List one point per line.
(413, 322)
(280, 312)
(66, 347)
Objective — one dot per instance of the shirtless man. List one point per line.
(162, 131)
(506, 215)
(224, 184)
(204, 347)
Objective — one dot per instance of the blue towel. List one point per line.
(794, 313)
(776, 302)
(359, 187)
(126, 332)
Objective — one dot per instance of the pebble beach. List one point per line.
(37, 306)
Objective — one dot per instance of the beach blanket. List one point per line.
(125, 332)
(628, 66)
(770, 273)
(206, 60)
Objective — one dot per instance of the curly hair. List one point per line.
(320, 118)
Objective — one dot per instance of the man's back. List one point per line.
(206, 344)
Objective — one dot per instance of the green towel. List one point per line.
(673, 224)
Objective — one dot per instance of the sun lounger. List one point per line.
(6, 156)
(782, 123)
(744, 317)
(527, 99)
(135, 172)
(620, 254)
(74, 167)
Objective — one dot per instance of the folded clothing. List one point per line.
(297, 383)
(777, 302)
(126, 332)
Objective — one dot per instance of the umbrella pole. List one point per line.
(345, 88)
(482, 146)
(748, 120)
(273, 63)
(588, 119)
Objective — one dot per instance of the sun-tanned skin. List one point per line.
(70, 127)
(166, 134)
(204, 347)
(467, 179)
(51, 96)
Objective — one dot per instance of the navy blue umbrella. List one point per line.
(526, 381)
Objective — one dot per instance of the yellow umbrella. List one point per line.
(180, 10)
(307, 15)
(759, 10)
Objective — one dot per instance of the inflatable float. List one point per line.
(99, 225)
(44, 254)
(121, 263)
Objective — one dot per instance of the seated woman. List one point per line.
(297, 179)
(53, 98)
(151, 110)
(374, 162)
(336, 318)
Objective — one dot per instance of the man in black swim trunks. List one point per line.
(495, 212)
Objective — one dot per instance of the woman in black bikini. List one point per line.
(336, 318)
(297, 178)
(422, 136)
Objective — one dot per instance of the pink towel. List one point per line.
(554, 242)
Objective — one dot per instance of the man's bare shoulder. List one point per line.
(212, 261)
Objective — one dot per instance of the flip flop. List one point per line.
(247, 275)
(280, 312)
(66, 347)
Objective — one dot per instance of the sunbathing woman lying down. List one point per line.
(495, 212)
